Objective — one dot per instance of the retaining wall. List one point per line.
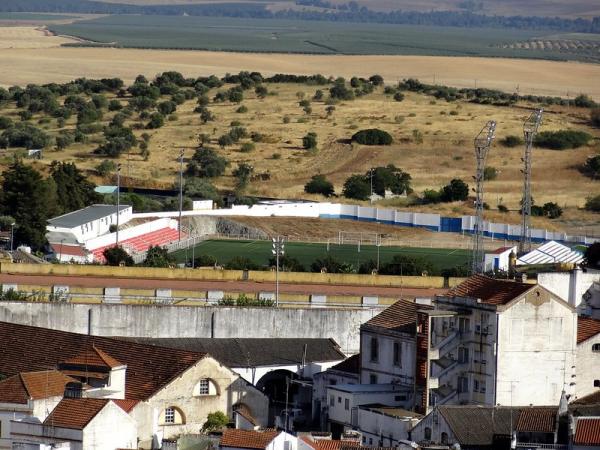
(342, 325)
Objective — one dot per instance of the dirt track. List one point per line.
(229, 286)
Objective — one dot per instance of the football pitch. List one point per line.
(306, 253)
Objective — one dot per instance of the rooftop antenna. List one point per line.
(530, 129)
(483, 142)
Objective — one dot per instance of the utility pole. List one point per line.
(371, 197)
(12, 236)
(483, 142)
(530, 129)
(278, 250)
(118, 199)
(181, 153)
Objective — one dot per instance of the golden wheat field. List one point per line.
(61, 64)
(24, 37)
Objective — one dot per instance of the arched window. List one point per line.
(205, 386)
(596, 347)
(444, 438)
(427, 433)
(171, 416)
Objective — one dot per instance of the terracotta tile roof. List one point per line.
(500, 250)
(588, 431)
(75, 413)
(330, 444)
(587, 328)
(244, 411)
(590, 399)
(93, 357)
(401, 317)
(247, 439)
(126, 405)
(33, 385)
(349, 365)
(149, 368)
(489, 290)
(71, 250)
(537, 419)
(12, 390)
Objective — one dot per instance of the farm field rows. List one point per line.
(297, 36)
(260, 252)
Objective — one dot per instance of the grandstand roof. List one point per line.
(85, 215)
(551, 253)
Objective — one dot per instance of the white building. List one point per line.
(78, 424)
(385, 426)
(588, 356)
(551, 253)
(90, 222)
(580, 289)
(474, 346)
(260, 440)
(500, 259)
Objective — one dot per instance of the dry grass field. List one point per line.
(22, 66)
(446, 151)
(27, 37)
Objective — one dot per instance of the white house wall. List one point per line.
(384, 368)
(588, 367)
(536, 350)
(110, 429)
(437, 424)
(375, 427)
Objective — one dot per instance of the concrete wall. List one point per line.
(182, 321)
(588, 367)
(570, 286)
(381, 429)
(384, 368)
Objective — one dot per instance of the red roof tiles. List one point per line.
(247, 439)
(93, 357)
(330, 444)
(126, 405)
(587, 328)
(149, 368)
(539, 419)
(33, 385)
(75, 413)
(588, 431)
(401, 317)
(490, 290)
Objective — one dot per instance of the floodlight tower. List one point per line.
(530, 129)
(483, 142)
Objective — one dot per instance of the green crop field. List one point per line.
(260, 252)
(296, 36)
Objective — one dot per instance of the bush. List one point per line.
(309, 142)
(318, 184)
(241, 263)
(242, 109)
(24, 135)
(552, 210)
(116, 256)
(372, 136)
(456, 190)
(287, 264)
(431, 196)
(502, 209)
(584, 101)
(490, 173)
(356, 187)
(592, 166)
(511, 141)
(205, 261)
(247, 147)
(404, 265)
(592, 256)
(562, 140)
(167, 107)
(595, 117)
(206, 163)
(398, 96)
(5, 122)
(157, 120)
(593, 204)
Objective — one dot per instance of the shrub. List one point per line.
(562, 139)
(5, 122)
(398, 96)
(242, 109)
(205, 261)
(241, 263)
(502, 209)
(286, 119)
(318, 184)
(206, 163)
(456, 190)
(595, 117)
(592, 256)
(372, 136)
(431, 196)
(490, 173)
(157, 120)
(276, 156)
(309, 142)
(592, 166)
(593, 204)
(247, 147)
(584, 101)
(552, 210)
(404, 265)
(116, 256)
(511, 141)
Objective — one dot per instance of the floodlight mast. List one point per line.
(530, 130)
(482, 142)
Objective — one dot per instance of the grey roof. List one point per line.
(56, 237)
(254, 352)
(85, 215)
(551, 253)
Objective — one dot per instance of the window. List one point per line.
(397, 354)
(427, 433)
(372, 379)
(596, 347)
(339, 399)
(203, 387)
(370, 441)
(169, 415)
(482, 386)
(374, 350)
(347, 404)
(400, 398)
(463, 325)
(475, 385)
(596, 383)
(463, 384)
(463, 355)
(444, 438)
(332, 400)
